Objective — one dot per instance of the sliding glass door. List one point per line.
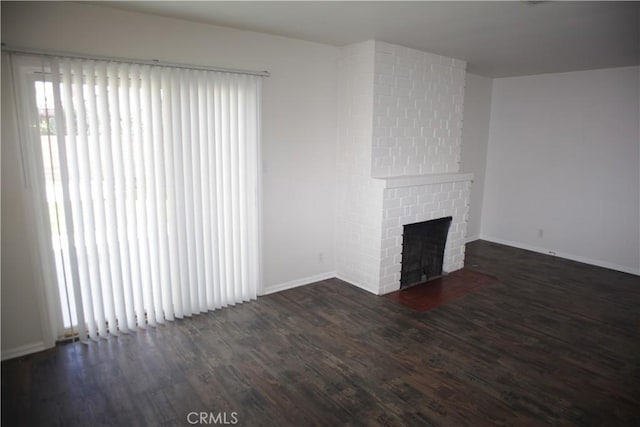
(147, 177)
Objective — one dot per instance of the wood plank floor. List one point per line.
(553, 343)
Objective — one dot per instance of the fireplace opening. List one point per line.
(423, 246)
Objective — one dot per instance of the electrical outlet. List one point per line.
(540, 233)
(320, 257)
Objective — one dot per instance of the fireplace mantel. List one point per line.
(427, 179)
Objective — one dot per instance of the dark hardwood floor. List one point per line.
(554, 342)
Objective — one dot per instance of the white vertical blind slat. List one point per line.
(198, 124)
(158, 203)
(97, 199)
(167, 216)
(74, 159)
(221, 291)
(68, 174)
(189, 300)
(142, 295)
(253, 177)
(208, 178)
(204, 179)
(227, 187)
(242, 189)
(118, 97)
(108, 138)
(160, 141)
(126, 78)
(119, 252)
(149, 238)
(87, 201)
(235, 285)
(181, 292)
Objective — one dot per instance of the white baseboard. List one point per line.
(358, 285)
(23, 350)
(564, 255)
(298, 282)
(472, 238)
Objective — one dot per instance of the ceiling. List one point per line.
(497, 39)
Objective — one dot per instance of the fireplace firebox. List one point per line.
(423, 246)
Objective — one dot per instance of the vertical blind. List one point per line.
(153, 196)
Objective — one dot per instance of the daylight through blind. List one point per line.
(151, 183)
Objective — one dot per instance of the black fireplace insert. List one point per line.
(423, 246)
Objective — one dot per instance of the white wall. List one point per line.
(298, 138)
(475, 138)
(564, 158)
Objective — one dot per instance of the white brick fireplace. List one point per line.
(400, 131)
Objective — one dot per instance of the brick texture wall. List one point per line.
(417, 114)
